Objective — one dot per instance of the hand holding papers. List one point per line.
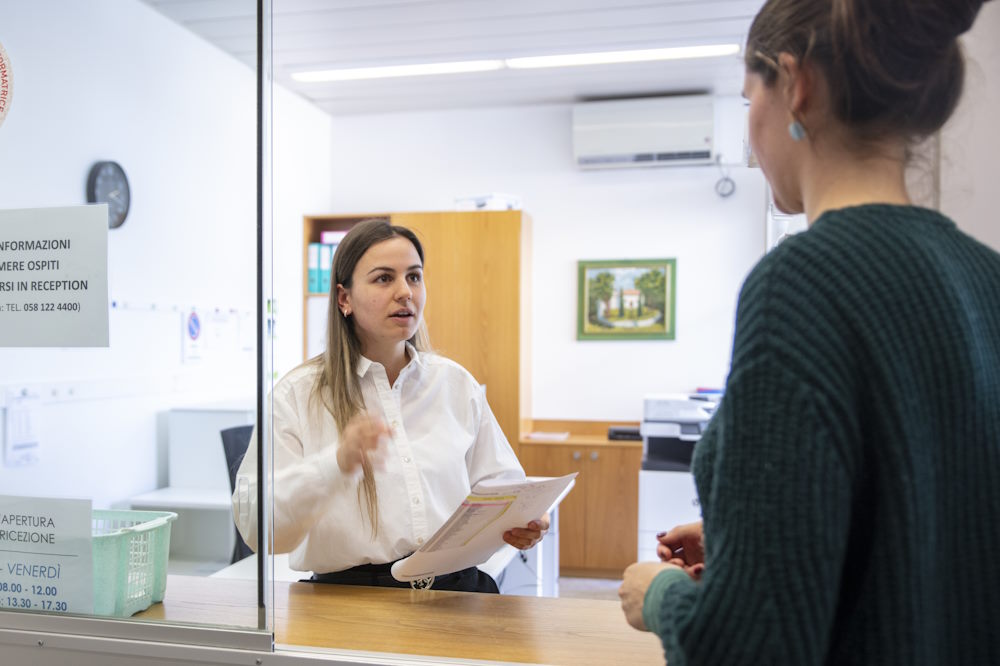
(475, 531)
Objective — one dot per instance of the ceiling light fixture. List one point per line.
(614, 57)
(532, 62)
(397, 70)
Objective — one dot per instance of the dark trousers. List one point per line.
(377, 575)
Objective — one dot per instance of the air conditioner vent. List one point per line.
(646, 132)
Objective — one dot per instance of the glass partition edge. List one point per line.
(244, 639)
(268, 308)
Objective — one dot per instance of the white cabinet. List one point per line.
(666, 499)
(203, 536)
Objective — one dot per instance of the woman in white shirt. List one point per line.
(377, 440)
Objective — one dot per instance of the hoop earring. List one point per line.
(796, 131)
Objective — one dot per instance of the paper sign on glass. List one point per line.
(46, 561)
(54, 277)
(475, 531)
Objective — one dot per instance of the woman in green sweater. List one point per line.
(850, 479)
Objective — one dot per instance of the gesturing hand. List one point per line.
(362, 438)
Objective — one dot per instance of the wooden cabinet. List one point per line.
(598, 520)
(477, 276)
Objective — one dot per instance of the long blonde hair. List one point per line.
(337, 386)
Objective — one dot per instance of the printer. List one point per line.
(671, 425)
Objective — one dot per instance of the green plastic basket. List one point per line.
(130, 559)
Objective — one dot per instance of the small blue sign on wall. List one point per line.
(192, 339)
(193, 325)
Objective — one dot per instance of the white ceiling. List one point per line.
(326, 34)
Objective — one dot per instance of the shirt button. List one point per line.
(416, 500)
(420, 541)
(406, 459)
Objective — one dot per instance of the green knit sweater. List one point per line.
(850, 479)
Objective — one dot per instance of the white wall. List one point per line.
(970, 143)
(113, 79)
(422, 161)
(302, 183)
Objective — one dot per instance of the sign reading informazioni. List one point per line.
(54, 277)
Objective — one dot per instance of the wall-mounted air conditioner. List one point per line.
(644, 132)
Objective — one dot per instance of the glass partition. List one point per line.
(135, 333)
(447, 119)
(175, 226)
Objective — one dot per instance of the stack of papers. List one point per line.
(475, 531)
(549, 436)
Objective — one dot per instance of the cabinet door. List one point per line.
(473, 311)
(612, 507)
(559, 460)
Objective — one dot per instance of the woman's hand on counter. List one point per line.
(632, 592)
(363, 437)
(527, 536)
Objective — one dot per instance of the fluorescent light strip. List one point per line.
(535, 62)
(613, 57)
(398, 70)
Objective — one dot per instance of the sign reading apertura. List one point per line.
(6, 84)
(46, 554)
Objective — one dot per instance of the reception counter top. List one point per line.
(454, 625)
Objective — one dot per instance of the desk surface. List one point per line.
(581, 433)
(246, 568)
(455, 625)
(184, 498)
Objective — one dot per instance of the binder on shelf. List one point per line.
(333, 253)
(314, 268)
(325, 263)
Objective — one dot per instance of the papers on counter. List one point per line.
(549, 436)
(475, 531)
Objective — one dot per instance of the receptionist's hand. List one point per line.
(683, 546)
(527, 536)
(362, 437)
(632, 592)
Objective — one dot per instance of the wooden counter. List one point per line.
(456, 625)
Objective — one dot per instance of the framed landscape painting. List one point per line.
(629, 299)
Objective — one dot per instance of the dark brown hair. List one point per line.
(893, 67)
(337, 386)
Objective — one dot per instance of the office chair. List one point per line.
(234, 443)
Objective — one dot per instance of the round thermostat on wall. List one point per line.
(107, 183)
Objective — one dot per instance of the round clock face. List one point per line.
(107, 184)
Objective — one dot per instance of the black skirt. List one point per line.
(378, 575)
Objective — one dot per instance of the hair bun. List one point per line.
(934, 23)
(962, 14)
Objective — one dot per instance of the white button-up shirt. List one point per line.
(444, 441)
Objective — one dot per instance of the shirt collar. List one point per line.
(365, 363)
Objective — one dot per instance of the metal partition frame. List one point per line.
(265, 296)
(77, 634)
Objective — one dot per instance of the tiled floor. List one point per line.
(588, 588)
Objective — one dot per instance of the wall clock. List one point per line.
(108, 184)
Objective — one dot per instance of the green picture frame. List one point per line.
(626, 299)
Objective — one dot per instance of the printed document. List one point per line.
(475, 531)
